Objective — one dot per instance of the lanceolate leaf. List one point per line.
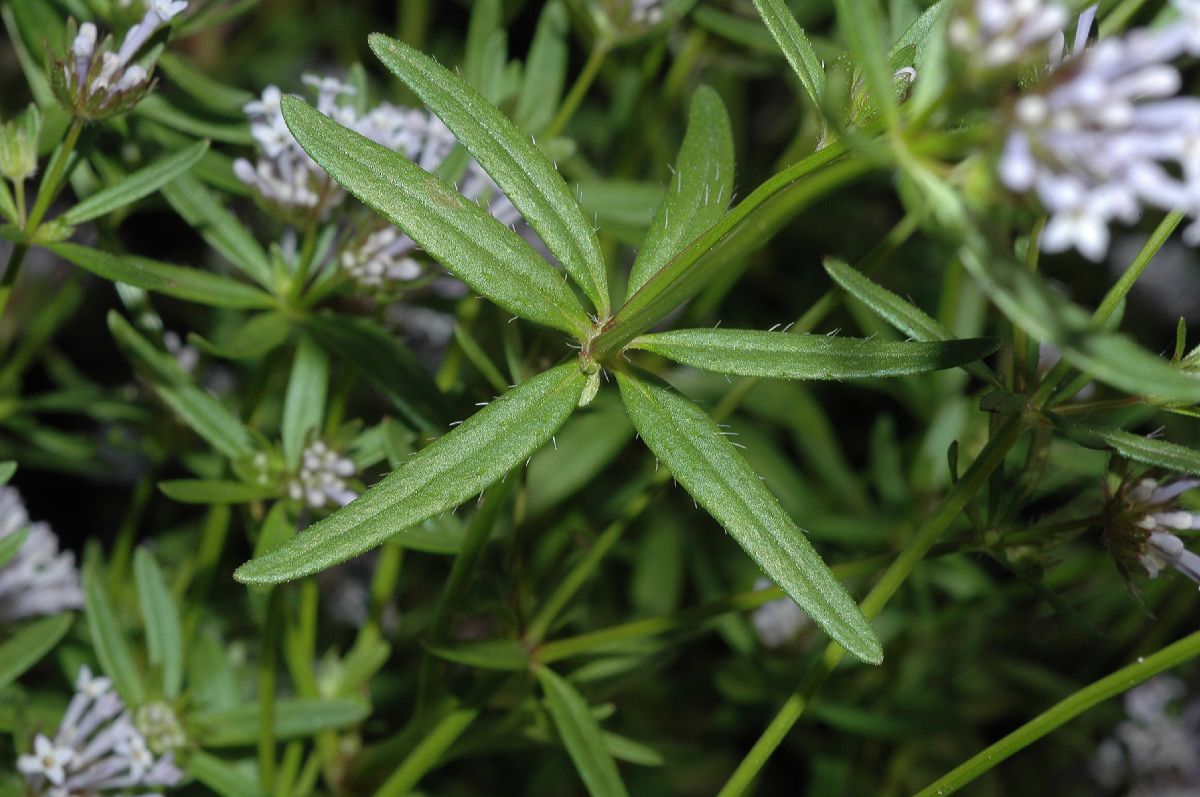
(26, 647)
(189, 284)
(137, 185)
(203, 413)
(304, 402)
(581, 736)
(455, 231)
(780, 355)
(699, 190)
(1171, 456)
(202, 209)
(294, 718)
(1050, 318)
(164, 635)
(710, 468)
(859, 22)
(899, 312)
(545, 70)
(440, 477)
(795, 46)
(108, 639)
(524, 174)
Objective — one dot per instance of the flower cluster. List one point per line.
(999, 33)
(94, 80)
(288, 179)
(1104, 134)
(1156, 749)
(97, 749)
(646, 12)
(322, 477)
(779, 621)
(38, 579)
(1142, 521)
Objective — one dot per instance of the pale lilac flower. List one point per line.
(97, 750)
(779, 621)
(646, 12)
(1156, 749)
(382, 257)
(39, 579)
(1105, 134)
(98, 82)
(1155, 517)
(1003, 32)
(322, 477)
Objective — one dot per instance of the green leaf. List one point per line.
(210, 93)
(133, 187)
(440, 477)
(780, 355)
(304, 402)
(164, 636)
(203, 413)
(201, 208)
(1050, 318)
(455, 231)
(384, 360)
(26, 647)
(189, 284)
(205, 491)
(258, 335)
(11, 544)
(507, 655)
(586, 444)
(860, 24)
(900, 313)
(710, 468)
(581, 736)
(795, 46)
(1172, 456)
(221, 777)
(523, 173)
(545, 70)
(294, 719)
(700, 188)
(7, 469)
(108, 640)
(155, 107)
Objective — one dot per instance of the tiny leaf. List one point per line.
(581, 736)
(133, 187)
(164, 635)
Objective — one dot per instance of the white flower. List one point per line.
(646, 12)
(1101, 139)
(322, 477)
(383, 256)
(38, 579)
(777, 622)
(1003, 32)
(1155, 517)
(47, 761)
(97, 750)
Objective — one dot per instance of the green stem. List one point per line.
(15, 259)
(948, 510)
(266, 693)
(1064, 711)
(426, 755)
(579, 90)
(583, 570)
(414, 22)
(50, 186)
(1112, 300)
